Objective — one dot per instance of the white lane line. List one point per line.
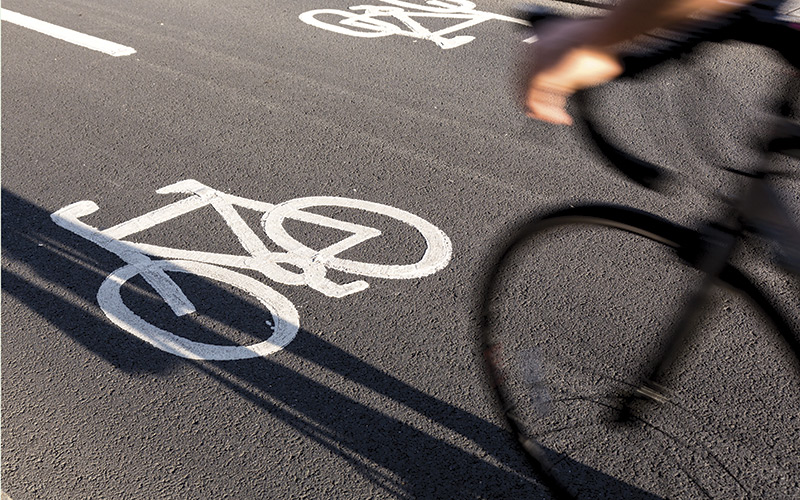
(66, 34)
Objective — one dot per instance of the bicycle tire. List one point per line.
(545, 404)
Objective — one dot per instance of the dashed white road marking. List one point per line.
(66, 34)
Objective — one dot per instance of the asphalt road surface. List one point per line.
(240, 107)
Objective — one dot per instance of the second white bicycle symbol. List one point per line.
(380, 20)
(311, 264)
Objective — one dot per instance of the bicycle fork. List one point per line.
(716, 245)
(758, 209)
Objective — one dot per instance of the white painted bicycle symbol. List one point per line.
(312, 264)
(375, 20)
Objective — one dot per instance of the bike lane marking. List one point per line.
(367, 24)
(313, 264)
(75, 37)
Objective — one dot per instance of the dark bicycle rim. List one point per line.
(659, 230)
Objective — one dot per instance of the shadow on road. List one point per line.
(56, 274)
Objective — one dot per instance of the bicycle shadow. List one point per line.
(55, 274)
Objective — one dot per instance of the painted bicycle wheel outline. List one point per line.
(374, 27)
(436, 257)
(285, 318)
